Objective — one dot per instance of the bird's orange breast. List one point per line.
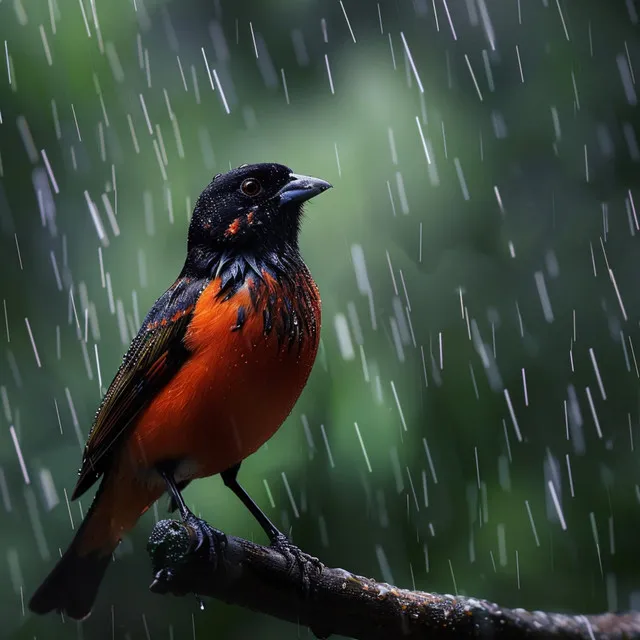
(247, 369)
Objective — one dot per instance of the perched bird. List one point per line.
(217, 366)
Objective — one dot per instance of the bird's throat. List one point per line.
(281, 291)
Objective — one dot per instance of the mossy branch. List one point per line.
(335, 601)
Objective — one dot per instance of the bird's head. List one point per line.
(252, 207)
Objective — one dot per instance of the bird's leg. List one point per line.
(174, 492)
(201, 529)
(173, 504)
(278, 539)
(230, 479)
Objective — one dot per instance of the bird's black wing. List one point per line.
(155, 355)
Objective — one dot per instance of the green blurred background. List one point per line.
(510, 249)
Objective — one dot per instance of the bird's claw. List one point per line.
(294, 555)
(208, 541)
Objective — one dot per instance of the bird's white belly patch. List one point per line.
(186, 470)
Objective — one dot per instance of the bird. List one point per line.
(217, 366)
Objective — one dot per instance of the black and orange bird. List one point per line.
(217, 366)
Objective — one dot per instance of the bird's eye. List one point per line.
(251, 187)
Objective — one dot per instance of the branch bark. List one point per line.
(335, 601)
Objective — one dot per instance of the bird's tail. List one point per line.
(72, 586)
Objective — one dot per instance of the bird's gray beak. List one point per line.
(302, 188)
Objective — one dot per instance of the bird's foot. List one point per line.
(169, 547)
(208, 541)
(295, 556)
(174, 545)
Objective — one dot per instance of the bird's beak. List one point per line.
(302, 188)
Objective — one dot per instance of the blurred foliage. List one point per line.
(441, 266)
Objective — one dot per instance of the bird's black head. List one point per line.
(254, 208)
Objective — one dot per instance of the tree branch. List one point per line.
(336, 601)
